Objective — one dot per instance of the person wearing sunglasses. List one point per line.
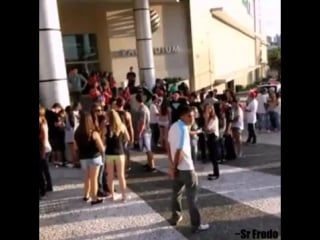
(100, 122)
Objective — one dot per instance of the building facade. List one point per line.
(207, 42)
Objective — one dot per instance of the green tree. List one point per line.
(274, 58)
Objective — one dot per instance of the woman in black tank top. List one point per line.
(116, 135)
(90, 147)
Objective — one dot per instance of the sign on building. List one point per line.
(156, 51)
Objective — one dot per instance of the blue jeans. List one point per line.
(145, 142)
(262, 121)
(102, 178)
(274, 120)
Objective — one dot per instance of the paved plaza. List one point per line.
(246, 196)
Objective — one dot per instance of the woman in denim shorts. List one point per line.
(90, 148)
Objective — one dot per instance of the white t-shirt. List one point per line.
(153, 113)
(240, 122)
(262, 100)
(213, 126)
(252, 114)
(179, 139)
(69, 130)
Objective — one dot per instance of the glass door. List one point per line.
(81, 52)
(84, 67)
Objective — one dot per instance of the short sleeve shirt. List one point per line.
(144, 115)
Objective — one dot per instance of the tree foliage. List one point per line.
(274, 58)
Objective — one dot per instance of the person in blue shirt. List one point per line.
(77, 83)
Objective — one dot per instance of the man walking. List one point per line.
(182, 169)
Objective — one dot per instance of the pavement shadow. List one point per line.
(63, 176)
(75, 211)
(227, 216)
(156, 186)
(159, 230)
(256, 156)
(213, 207)
(235, 229)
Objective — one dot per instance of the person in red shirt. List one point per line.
(125, 93)
(107, 93)
(94, 92)
(93, 79)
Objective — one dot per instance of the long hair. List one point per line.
(42, 115)
(115, 122)
(212, 113)
(85, 128)
(94, 115)
(164, 107)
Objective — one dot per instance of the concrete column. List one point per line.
(53, 82)
(144, 42)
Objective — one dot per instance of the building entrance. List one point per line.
(84, 67)
(81, 52)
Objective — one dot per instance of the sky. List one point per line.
(271, 16)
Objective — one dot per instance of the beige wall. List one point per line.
(90, 18)
(77, 18)
(202, 47)
(114, 26)
(264, 51)
(233, 50)
(239, 13)
(214, 51)
(219, 50)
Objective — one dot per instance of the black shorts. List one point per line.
(57, 144)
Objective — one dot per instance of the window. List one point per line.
(83, 67)
(80, 47)
(247, 5)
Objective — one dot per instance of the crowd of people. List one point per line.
(120, 119)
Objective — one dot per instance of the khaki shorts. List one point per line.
(114, 158)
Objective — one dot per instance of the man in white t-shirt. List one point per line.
(182, 169)
(251, 110)
(262, 120)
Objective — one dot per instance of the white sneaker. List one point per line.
(201, 228)
(126, 198)
(115, 197)
(70, 165)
